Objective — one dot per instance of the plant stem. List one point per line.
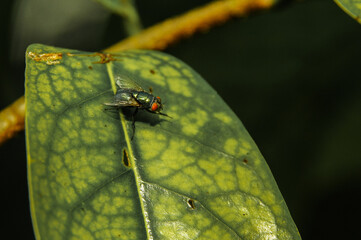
(132, 22)
(159, 36)
(128, 11)
(12, 119)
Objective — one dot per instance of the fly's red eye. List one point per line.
(154, 106)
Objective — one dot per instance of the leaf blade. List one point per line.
(199, 174)
(71, 162)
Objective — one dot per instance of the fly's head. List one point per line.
(157, 105)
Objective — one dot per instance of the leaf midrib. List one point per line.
(138, 180)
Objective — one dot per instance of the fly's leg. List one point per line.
(133, 122)
(151, 90)
(111, 108)
(163, 114)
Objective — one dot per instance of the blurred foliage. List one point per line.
(291, 75)
(351, 7)
(127, 10)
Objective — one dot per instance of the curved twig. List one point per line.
(159, 36)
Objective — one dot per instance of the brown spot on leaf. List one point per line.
(48, 58)
(104, 57)
(191, 203)
(125, 159)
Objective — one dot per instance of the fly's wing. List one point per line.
(123, 99)
(121, 104)
(126, 83)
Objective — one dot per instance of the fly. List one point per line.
(130, 94)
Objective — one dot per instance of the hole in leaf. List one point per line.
(152, 71)
(245, 161)
(191, 203)
(125, 159)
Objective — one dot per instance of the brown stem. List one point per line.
(12, 119)
(157, 37)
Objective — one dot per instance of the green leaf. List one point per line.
(351, 7)
(198, 175)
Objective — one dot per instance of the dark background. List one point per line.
(291, 74)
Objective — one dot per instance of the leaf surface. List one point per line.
(351, 7)
(197, 175)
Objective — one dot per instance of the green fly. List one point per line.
(130, 94)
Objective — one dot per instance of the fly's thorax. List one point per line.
(144, 98)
